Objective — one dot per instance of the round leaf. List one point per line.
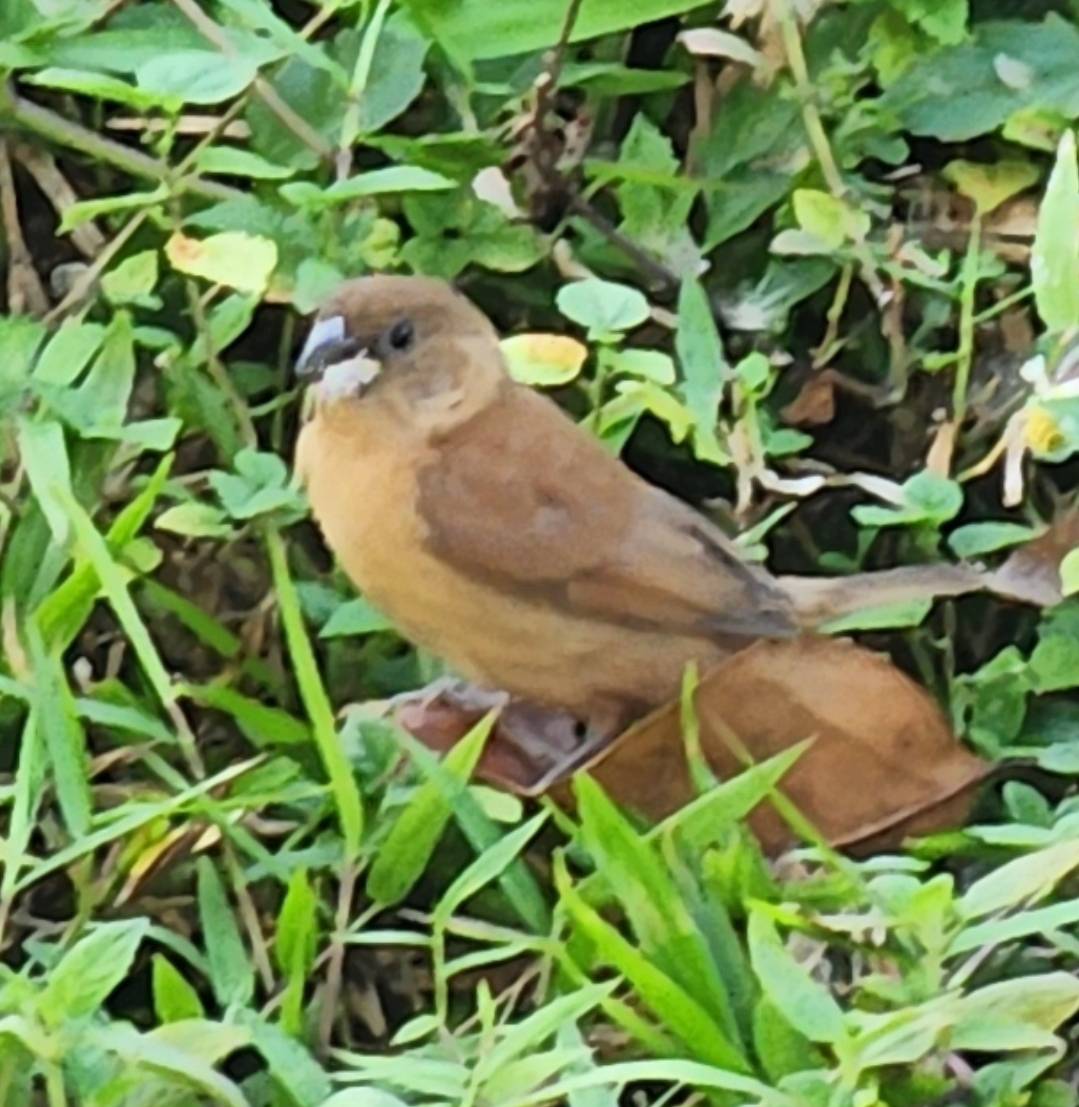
(241, 261)
(603, 306)
(543, 359)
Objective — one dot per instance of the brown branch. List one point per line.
(25, 292)
(56, 188)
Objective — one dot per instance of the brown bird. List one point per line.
(502, 537)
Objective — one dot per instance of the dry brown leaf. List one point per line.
(815, 403)
(1032, 573)
(883, 762)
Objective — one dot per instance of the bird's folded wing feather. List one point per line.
(524, 501)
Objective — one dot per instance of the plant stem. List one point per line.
(54, 128)
(965, 354)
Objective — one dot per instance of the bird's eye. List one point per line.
(401, 335)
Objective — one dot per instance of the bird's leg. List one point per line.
(468, 698)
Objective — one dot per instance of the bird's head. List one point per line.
(413, 341)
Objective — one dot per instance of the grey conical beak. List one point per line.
(327, 344)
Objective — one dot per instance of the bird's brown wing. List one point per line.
(525, 501)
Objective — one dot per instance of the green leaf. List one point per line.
(890, 616)
(1069, 573)
(990, 1016)
(990, 184)
(103, 87)
(470, 30)
(132, 280)
(346, 793)
(704, 367)
(664, 926)
(407, 848)
(68, 352)
(604, 307)
(543, 360)
(62, 734)
(1020, 880)
(44, 456)
(808, 1006)
(375, 182)
(195, 520)
(679, 1011)
(648, 365)
(355, 616)
(231, 974)
(196, 76)
(89, 971)
(174, 998)
(233, 258)
(976, 539)
(927, 498)
(294, 946)
(827, 218)
(1054, 262)
(78, 213)
(230, 162)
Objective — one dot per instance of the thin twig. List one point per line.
(648, 263)
(336, 960)
(818, 137)
(56, 188)
(287, 115)
(25, 292)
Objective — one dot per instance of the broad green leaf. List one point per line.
(544, 360)
(174, 998)
(195, 520)
(196, 76)
(407, 848)
(990, 1016)
(375, 182)
(346, 792)
(233, 258)
(1054, 261)
(604, 307)
(704, 367)
(648, 365)
(233, 162)
(990, 184)
(976, 539)
(1020, 880)
(89, 971)
(62, 735)
(44, 456)
(355, 616)
(828, 219)
(103, 87)
(679, 1011)
(807, 1005)
(664, 926)
(132, 280)
(231, 973)
(485, 868)
(68, 352)
(910, 613)
(78, 213)
(1041, 920)
(470, 30)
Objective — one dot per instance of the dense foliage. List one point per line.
(819, 262)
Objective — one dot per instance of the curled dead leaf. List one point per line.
(883, 762)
